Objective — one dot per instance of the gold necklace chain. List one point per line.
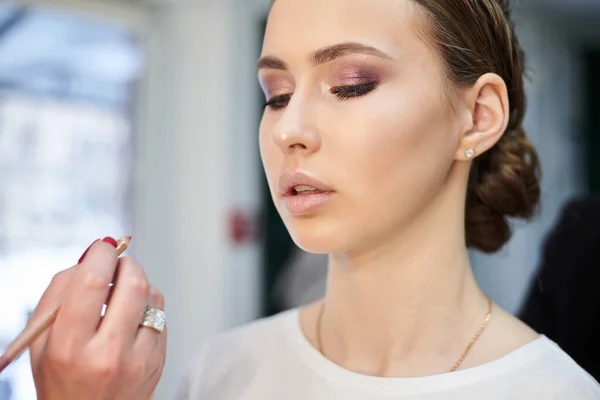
(457, 364)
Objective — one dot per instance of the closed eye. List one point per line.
(278, 102)
(348, 92)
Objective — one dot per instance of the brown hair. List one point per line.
(476, 37)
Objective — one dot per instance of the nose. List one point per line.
(296, 132)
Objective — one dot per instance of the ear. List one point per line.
(488, 110)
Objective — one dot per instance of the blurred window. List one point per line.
(65, 154)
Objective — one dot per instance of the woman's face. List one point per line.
(357, 101)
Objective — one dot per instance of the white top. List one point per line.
(271, 359)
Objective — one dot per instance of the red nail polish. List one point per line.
(85, 252)
(110, 241)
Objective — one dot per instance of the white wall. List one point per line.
(246, 264)
(197, 162)
(183, 161)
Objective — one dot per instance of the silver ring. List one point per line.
(154, 318)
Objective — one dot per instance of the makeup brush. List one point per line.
(31, 332)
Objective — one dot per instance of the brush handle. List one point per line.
(28, 335)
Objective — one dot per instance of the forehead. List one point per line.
(296, 26)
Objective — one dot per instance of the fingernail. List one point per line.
(110, 241)
(85, 252)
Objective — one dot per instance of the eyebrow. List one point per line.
(324, 55)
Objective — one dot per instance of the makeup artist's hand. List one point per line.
(86, 357)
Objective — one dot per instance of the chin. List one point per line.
(319, 235)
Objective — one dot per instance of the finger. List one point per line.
(149, 350)
(79, 315)
(148, 337)
(110, 291)
(149, 386)
(128, 302)
(156, 358)
(49, 301)
(156, 298)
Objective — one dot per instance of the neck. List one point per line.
(406, 307)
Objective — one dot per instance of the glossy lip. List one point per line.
(290, 180)
(306, 203)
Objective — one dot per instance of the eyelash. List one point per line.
(341, 92)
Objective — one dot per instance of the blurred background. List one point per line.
(133, 116)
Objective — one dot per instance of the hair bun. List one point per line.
(504, 184)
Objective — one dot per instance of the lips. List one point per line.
(294, 183)
(302, 194)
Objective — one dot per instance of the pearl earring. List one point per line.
(470, 153)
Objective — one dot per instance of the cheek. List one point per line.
(400, 145)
